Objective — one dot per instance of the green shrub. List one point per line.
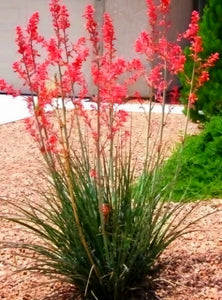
(200, 172)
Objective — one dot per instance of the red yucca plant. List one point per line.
(103, 224)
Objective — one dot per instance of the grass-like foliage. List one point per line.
(199, 173)
(102, 221)
(137, 230)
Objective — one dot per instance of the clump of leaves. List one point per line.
(138, 229)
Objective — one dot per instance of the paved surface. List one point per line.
(13, 109)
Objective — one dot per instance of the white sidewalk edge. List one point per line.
(13, 109)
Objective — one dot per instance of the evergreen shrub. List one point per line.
(199, 175)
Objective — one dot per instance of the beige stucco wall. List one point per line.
(180, 15)
(14, 12)
(129, 17)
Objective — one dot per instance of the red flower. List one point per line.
(108, 32)
(212, 59)
(151, 12)
(106, 210)
(7, 88)
(136, 64)
(165, 2)
(93, 173)
(54, 52)
(20, 40)
(52, 143)
(32, 28)
(176, 58)
(91, 25)
(193, 29)
(193, 98)
(144, 45)
(60, 15)
(204, 76)
(174, 95)
(196, 46)
(155, 76)
(121, 117)
(164, 6)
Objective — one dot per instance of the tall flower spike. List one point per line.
(151, 12)
(60, 15)
(20, 40)
(108, 33)
(32, 28)
(91, 24)
(193, 29)
(165, 6)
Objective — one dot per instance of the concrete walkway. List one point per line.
(13, 109)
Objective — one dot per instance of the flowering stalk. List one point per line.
(67, 80)
(167, 58)
(91, 27)
(200, 68)
(28, 71)
(107, 69)
(36, 75)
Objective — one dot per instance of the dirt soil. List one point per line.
(191, 268)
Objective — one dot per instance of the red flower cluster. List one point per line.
(107, 70)
(108, 33)
(37, 71)
(201, 74)
(32, 28)
(60, 15)
(212, 59)
(106, 210)
(164, 6)
(174, 95)
(192, 98)
(168, 56)
(155, 77)
(54, 53)
(7, 88)
(91, 26)
(145, 45)
(192, 35)
(111, 74)
(151, 12)
(204, 76)
(193, 29)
